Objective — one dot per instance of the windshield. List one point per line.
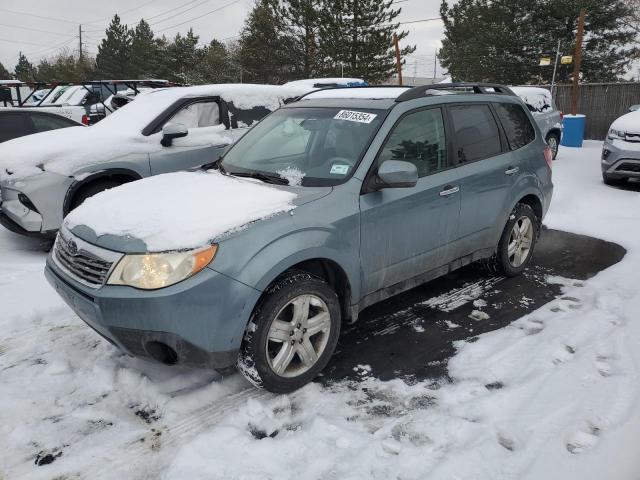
(305, 146)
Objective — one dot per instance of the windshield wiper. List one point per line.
(217, 165)
(265, 177)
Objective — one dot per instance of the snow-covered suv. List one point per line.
(45, 176)
(326, 206)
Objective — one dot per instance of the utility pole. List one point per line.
(398, 64)
(435, 64)
(577, 63)
(555, 69)
(80, 38)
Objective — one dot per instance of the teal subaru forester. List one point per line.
(347, 196)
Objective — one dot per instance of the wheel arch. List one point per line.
(123, 175)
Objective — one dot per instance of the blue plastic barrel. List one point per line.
(573, 133)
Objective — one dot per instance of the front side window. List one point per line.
(418, 138)
(322, 146)
(476, 132)
(516, 125)
(197, 115)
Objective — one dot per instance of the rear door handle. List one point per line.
(512, 170)
(449, 190)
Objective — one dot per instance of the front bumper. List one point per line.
(202, 319)
(620, 159)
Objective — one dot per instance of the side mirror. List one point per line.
(171, 131)
(634, 108)
(397, 174)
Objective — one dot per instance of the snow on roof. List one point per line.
(313, 82)
(538, 99)
(139, 209)
(365, 93)
(629, 122)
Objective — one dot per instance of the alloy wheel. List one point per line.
(298, 336)
(520, 241)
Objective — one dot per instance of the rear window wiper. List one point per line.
(265, 177)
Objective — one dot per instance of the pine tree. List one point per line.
(114, 52)
(183, 58)
(65, 67)
(265, 47)
(145, 57)
(4, 73)
(503, 40)
(216, 65)
(301, 24)
(357, 35)
(24, 70)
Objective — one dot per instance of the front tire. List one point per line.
(517, 242)
(292, 333)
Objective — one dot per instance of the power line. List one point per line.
(34, 30)
(122, 13)
(179, 13)
(39, 16)
(22, 42)
(200, 16)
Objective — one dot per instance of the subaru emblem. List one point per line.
(72, 248)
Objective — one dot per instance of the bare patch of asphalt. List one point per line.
(411, 335)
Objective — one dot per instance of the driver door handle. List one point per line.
(511, 170)
(449, 190)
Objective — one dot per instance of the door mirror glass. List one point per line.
(634, 108)
(171, 131)
(397, 174)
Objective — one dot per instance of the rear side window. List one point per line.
(12, 125)
(418, 138)
(43, 123)
(516, 125)
(476, 132)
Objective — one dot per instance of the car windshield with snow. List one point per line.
(45, 176)
(329, 205)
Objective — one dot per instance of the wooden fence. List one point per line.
(602, 103)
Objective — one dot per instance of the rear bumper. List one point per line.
(202, 319)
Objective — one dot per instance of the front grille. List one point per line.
(87, 267)
(628, 167)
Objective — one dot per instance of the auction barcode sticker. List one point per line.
(352, 116)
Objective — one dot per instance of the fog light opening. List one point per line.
(161, 352)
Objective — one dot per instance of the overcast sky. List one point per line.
(53, 25)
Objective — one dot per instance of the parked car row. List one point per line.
(270, 234)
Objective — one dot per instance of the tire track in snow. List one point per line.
(461, 296)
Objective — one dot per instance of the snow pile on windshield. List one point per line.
(537, 99)
(293, 175)
(65, 151)
(180, 210)
(628, 123)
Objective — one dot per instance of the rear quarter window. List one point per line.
(516, 124)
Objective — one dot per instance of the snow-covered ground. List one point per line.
(553, 395)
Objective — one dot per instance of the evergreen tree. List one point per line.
(24, 70)
(145, 57)
(216, 65)
(357, 34)
(503, 40)
(114, 52)
(65, 67)
(4, 73)
(301, 24)
(183, 58)
(265, 47)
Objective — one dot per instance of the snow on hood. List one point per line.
(628, 123)
(538, 99)
(67, 150)
(180, 210)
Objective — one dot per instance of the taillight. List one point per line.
(561, 116)
(548, 156)
(85, 119)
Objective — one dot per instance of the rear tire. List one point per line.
(553, 140)
(91, 190)
(292, 333)
(517, 242)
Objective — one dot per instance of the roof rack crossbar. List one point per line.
(480, 88)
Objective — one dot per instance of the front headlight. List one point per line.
(151, 271)
(619, 134)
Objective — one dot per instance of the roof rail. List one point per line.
(481, 88)
(346, 87)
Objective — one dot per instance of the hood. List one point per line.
(180, 210)
(628, 123)
(67, 150)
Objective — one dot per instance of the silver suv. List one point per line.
(45, 176)
(540, 103)
(621, 150)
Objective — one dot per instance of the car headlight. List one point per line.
(150, 271)
(619, 134)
